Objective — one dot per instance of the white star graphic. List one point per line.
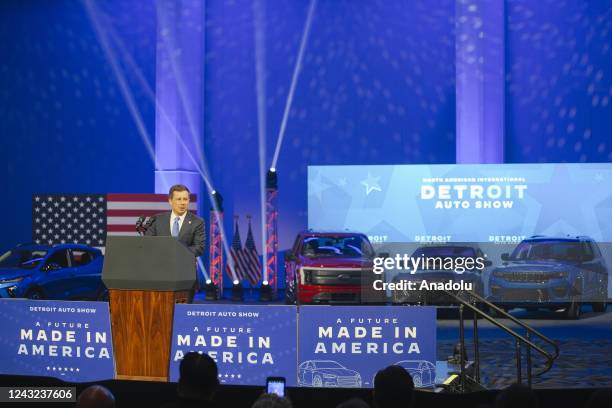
(316, 187)
(371, 184)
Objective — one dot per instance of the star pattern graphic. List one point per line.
(371, 184)
(59, 219)
(317, 186)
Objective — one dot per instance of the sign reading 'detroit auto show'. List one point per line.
(248, 342)
(67, 340)
(342, 346)
(462, 203)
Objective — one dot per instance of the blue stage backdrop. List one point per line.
(377, 86)
(558, 81)
(68, 340)
(249, 343)
(346, 346)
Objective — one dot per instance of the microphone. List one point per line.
(148, 222)
(139, 228)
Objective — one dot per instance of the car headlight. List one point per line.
(559, 275)
(329, 376)
(13, 280)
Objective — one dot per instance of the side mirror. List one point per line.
(488, 263)
(505, 257)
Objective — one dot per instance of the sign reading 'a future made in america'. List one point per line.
(249, 343)
(67, 340)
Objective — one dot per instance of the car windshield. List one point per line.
(409, 364)
(327, 364)
(22, 258)
(445, 251)
(354, 246)
(555, 250)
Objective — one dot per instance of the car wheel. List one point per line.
(317, 382)
(573, 310)
(290, 294)
(35, 294)
(418, 381)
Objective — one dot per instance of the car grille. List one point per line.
(334, 276)
(530, 277)
(347, 382)
(525, 295)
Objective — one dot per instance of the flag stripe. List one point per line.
(158, 198)
(144, 205)
(132, 213)
(123, 210)
(111, 229)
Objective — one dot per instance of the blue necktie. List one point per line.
(175, 227)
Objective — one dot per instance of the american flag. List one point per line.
(124, 209)
(89, 218)
(69, 218)
(236, 255)
(251, 258)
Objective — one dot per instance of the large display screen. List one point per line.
(462, 203)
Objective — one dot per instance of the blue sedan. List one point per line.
(59, 272)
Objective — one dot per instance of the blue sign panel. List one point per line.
(249, 343)
(67, 340)
(343, 346)
(462, 203)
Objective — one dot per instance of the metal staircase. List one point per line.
(476, 304)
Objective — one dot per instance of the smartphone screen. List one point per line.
(275, 385)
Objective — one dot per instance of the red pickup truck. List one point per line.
(328, 267)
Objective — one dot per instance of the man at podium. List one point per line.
(187, 227)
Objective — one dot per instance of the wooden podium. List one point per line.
(146, 277)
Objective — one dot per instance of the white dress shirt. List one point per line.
(181, 219)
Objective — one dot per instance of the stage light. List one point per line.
(217, 199)
(271, 179)
(265, 292)
(237, 291)
(211, 290)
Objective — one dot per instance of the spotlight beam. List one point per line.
(92, 12)
(202, 170)
(93, 15)
(260, 87)
(296, 73)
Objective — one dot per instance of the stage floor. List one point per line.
(585, 359)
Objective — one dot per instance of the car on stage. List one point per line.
(58, 272)
(423, 372)
(328, 267)
(327, 373)
(552, 273)
(441, 252)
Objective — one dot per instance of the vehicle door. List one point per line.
(86, 278)
(308, 371)
(291, 263)
(56, 273)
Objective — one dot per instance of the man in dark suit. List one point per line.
(187, 227)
